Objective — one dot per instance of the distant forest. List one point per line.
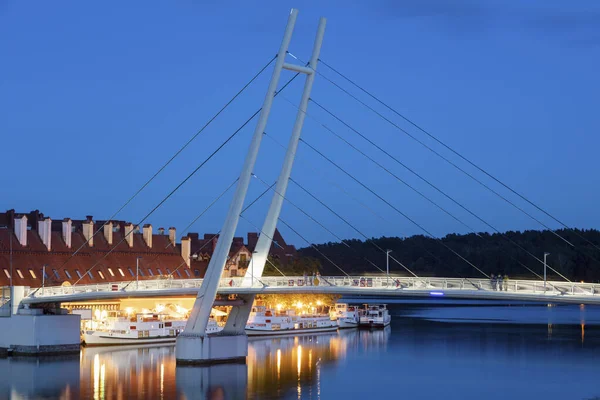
(492, 253)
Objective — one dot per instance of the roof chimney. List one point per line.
(88, 230)
(161, 231)
(186, 249)
(148, 235)
(129, 234)
(44, 230)
(172, 235)
(108, 232)
(66, 231)
(21, 229)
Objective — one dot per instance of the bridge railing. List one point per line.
(358, 282)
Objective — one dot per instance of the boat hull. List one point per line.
(373, 325)
(98, 340)
(347, 324)
(281, 332)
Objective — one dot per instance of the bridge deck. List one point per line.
(455, 288)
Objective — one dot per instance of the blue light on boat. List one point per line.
(436, 293)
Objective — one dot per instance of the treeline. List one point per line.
(505, 253)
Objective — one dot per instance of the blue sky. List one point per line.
(96, 97)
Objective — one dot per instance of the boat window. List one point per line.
(121, 271)
(150, 272)
(67, 274)
(196, 272)
(56, 275)
(32, 273)
(178, 273)
(159, 271)
(20, 274)
(6, 273)
(187, 273)
(78, 274)
(130, 271)
(110, 271)
(101, 274)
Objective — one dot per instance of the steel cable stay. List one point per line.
(421, 178)
(362, 204)
(187, 178)
(539, 208)
(177, 153)
(327, 229)
(440, 155)
(393, 207)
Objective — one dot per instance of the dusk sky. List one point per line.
(96, 97)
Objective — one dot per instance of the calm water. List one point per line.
(443, 353)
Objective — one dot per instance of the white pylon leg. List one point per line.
(265, 239)
(197, 323)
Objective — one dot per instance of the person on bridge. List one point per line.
(493, 282)
(506, 283)
(500, 282)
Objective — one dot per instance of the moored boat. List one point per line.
(143, 328)
(346, 315)
(266, 322)
(374, 316)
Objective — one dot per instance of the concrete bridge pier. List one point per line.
(28, 331)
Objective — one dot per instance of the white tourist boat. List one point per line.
(143, 328)
(347, 316)
(267, 322)
(374, 316)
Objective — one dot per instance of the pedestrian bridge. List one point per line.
(380, 286)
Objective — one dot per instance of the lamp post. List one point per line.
(545, 255)
(43, 278)
(137, 273)
(387, 265)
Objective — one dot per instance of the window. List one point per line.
(159, 271)
(111, 272)
(32, 273)
(90, 274)
(130, 271)
(78, 274)
(101, 274)
(187, 273)
(56, 275)
(168, 271)
(45, 274)
(6, 273)
(178, 273)
(67, 274)
(121, 271)
(20, 274)
(141, 271)
(150, 272)
(196, 272)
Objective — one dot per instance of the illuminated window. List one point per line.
(67, 274)
(121, 271)
(111, 272)
(101, 274)
(32, 273)
(78, 274)
(187, 273)
(150, 272)
(56, 275)
(20, 274)
(6, 273)
(159, 271)
(130, 271)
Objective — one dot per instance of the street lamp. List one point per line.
(137, 273)
(387, 265)
(545, 255)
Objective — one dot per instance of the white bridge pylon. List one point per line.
(194, 345)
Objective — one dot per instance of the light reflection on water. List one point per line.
(415, 358)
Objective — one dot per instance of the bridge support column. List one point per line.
(194, 345)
